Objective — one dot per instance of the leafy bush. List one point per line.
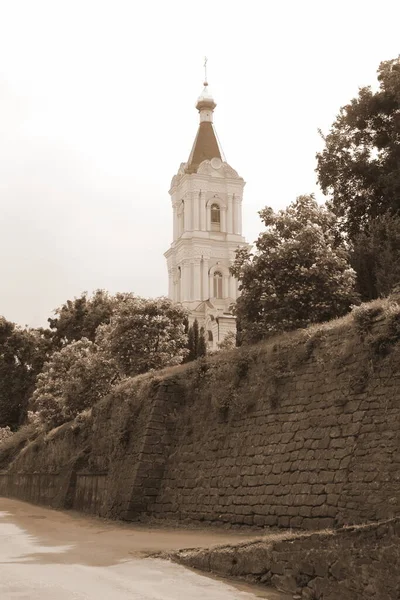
(141, 335)
(364, 317)
(5, 433)
(73, 379)
(144, 335)
(383, 342)
(228, 342)
(299, 275)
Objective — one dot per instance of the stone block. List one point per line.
(296, 522)
(284, 583)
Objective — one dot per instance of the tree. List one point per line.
(191, 346)
(197, 346)
(359, 168)
(201, 344)
(144, 335)
(75, 378)
(22, 354)
(376, 257)
(196, 336)
(299, 274)
(141, 335)
(80, 318)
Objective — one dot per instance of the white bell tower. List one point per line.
(206, 196)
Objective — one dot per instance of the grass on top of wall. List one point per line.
(12, 446)
(234, 381)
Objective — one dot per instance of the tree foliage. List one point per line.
(140, 335)
(197, 346)
(80, 318)
(191, 346)
(144, 335)
(359, 168)
(376, 257)
(22, 354)
(75, 378)
(298, 275)
(201, 344)
(228, 342)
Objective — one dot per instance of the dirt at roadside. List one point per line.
(114, 540)
(61, 538)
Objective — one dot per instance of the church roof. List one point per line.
(205, 147)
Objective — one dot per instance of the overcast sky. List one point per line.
(97, 111)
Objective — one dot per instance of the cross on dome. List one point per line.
(205, 100)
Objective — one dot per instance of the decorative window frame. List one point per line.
(224, 270)
(222, 214)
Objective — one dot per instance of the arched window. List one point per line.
(215, 217)
(210, 336)
(217, 284)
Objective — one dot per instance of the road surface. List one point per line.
(51, 555)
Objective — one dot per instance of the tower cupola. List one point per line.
(205, 104)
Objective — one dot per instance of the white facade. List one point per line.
(206, 196)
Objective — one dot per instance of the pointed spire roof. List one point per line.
(206, 145)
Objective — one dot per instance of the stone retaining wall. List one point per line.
(318, 448)
(348, 564)
(90, 490)
(302, 432)
(39, 488)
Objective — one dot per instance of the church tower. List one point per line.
(206, 196)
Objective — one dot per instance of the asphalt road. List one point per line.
(52, 555)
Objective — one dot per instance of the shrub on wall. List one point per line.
(5, 433)
(12, 444)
